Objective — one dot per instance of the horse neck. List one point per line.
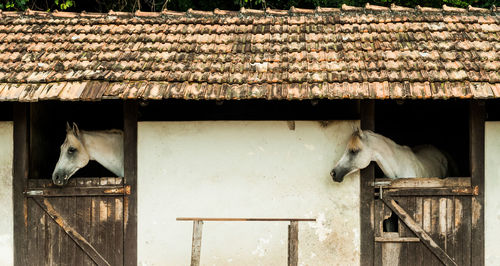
(388, 155)
(106, 148)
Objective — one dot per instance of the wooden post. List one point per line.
(476, 149)
(366, 201)
(130, 178)
(20, 176)
(196, 248)
(293, 243)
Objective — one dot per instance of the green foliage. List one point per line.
(14, 5)
(64, 4)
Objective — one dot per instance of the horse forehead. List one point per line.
(71, 140)
(354, 143)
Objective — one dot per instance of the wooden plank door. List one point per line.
(79, 224)
(433, 226)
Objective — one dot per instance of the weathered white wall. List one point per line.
(245, 169)
(6, 216)
(492, 189)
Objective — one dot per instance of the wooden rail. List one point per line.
(293, 234)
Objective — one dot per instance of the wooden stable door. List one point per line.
(79, 224)
(424, 222)
(89, 221)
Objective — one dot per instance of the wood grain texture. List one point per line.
(366, 200)
(476, 126)
(419, 232)
(293, 243)
(196, 243)
(20, 176)
(130, 170)
(245, 219)
(72, 233)
(423, 182)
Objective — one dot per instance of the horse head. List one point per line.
(73, 156)
(356, 156)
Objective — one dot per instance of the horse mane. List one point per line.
(109, 131)
(114, 131)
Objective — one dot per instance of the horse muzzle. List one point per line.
(337, 176)
(59, 180)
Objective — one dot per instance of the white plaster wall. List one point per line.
(6, 216)
(245, 169)
(492, 188)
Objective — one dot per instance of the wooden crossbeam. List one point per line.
(78, 191)
(450, 191)
(245, 219)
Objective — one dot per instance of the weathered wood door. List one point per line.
(79, 224)
(433, 221)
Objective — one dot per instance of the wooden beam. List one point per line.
(20, 176)
(196, 244)
(396, 239)
(130, 169)
(366, 198)
(423, 182)
(78, 191)
(293, 243)
(419, 232)
(420, 192)
(476, 149)
(71, 232)
(245, 219)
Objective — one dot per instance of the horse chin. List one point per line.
(338, 180)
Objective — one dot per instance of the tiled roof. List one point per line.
(352, 52)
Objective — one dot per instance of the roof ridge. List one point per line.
(258, 12)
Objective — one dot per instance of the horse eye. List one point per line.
(71, 150)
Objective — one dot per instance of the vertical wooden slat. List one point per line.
(293, 243)
(465, 231)
(366, 201)
(434, 232)
(450, 230)
(411, 247)
(88, 218)
(118, 224)
(130, 169)
(20, 176)
(476, 128)
(403, 232)
(65, 240)
(378, 231)
(419, 215)
(196, 244)
(77, 221)
(80, 223)
(33, 254)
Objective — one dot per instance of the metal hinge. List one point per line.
(33, 193)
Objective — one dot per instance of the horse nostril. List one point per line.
(332, 173)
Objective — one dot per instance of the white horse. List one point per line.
(396, 161)
(105, 147)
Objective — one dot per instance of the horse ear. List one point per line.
(358, 132)
(68, 127)
(361, 133)
(76, 130)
